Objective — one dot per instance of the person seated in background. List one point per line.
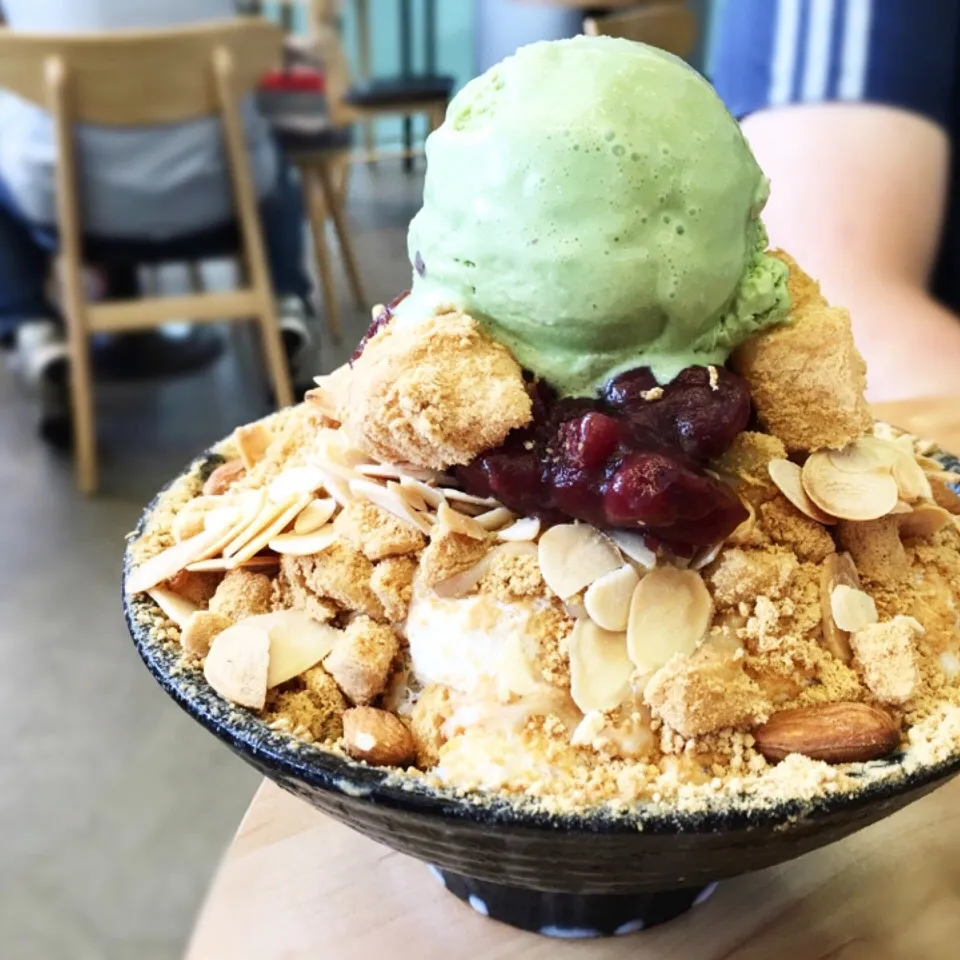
(142, 184)
(852, 108)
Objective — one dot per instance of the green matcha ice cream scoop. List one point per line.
(595, 206)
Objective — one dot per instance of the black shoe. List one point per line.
(56, 413)
(156, 353)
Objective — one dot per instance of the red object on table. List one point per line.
(298, 79)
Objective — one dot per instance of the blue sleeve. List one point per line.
(900, 53)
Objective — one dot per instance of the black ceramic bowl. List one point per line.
(572, 875)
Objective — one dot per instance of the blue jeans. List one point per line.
(26, 249)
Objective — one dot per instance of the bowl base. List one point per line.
(572, 916)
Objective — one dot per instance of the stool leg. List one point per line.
(317, 210)
(81, 390)
(343, 235)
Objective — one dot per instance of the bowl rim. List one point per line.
(291, 760)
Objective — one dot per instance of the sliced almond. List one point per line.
(466, 526)
(297, 643)
(431, 496)
(264, 520)
(304, 544)
(669, 613)
(924, 521)
(838, 569)
(222, 518)
(214, 564)
(849, 496)
(706, 556)
(634, 545)
(324, 401)
(222, 477)
(516, 675)
(852, 609)
(607, 600)
(335, 448)
(389, 499)
(524, 529)
(296, 482)
(599, 667)
(280, 523)
(238, 664)
(741, 535)
(573, 555)
(787, 476)
(188, 523)
(495, 519)
(175, 608)
(901, 508)
(865, 455)
(170, 562)
(459, 496)
(316, 514)
(252, 441)
(461, 584)
(912, 482)
(338, 488)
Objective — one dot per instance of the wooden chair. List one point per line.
(148, 78)
(672, 26)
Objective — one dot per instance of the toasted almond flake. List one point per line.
(413, 499)
(928, 464)
(573, 555)
(849, 496)
(187, 524)
(389, 499)
(324, 401)
(912, 482)
(222, 518)
(338, 488)
(316, 514)
(901, 508)
(170, 562)
(852, 609)
(923, 521)
(706, 556)
(450, 519)
(304, 544)
(865, 455)
(259, 562)
(599, 667)
(669, 613)
(297, 642)
(238, 664)
(264, 520)
(295, 482)
(458, 496)
(524, 529)
(838, 569)
(176, 608)
(495, 519)
(947, 476)
(634, 545)
(252, 441)
(264, 537)
(431, 496)
(787, 476)
(588, 729)
(607, 600)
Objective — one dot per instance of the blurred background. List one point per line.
(125, 219)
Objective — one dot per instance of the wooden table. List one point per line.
(296, 885)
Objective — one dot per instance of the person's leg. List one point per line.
(282, 221)
(24, 265)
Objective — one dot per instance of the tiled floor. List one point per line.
(114, 806)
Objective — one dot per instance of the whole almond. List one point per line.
(832, 732)
(377, 737)
(222, 477)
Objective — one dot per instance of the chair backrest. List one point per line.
(140, 77)
(672, 26)
(327, 42)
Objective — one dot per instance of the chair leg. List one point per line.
(274, 353)
(435, 116)
(81, 380)
(369, 143)
(317, 210)
(343, 235)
